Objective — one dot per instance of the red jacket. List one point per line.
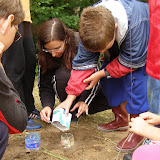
(153, 54)
(76, 85)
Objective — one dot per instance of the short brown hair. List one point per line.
(96, 28)
(14, 7)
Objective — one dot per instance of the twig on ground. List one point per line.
(54, 155)
(107, 139)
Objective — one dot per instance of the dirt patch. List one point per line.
(90, 144)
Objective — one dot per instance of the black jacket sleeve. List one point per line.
(12, 110)
(46, 91)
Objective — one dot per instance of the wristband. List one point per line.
(106, 73)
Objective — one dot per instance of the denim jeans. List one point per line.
(3, 138)
(154, 95)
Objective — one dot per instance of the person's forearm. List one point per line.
(102, 73)
(70, 99)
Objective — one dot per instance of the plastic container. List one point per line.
(32, 141)
(60, 120)
(67, 140)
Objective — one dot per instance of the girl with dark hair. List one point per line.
(56, 50)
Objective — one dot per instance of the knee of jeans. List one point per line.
(3, 132)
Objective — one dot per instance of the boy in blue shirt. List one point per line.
(123, 78)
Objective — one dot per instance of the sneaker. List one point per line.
(34, 114)
(146, 141)
(74, 119)
(32, 124)
(128, 156)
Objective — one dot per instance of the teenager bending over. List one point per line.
(56, 50)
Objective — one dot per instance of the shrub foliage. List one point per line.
(67, 10)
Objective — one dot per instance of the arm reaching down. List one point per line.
(75, 87)
(66, 104)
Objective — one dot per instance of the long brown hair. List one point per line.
(55, 29)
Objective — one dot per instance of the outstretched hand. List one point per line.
(92, 80)
(82, 107)
(143, 125)
(45, 114)
(138, 126)
(66, 104)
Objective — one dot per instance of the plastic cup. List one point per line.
(67, 140)
(32, 141)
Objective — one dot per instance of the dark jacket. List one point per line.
(12, 110)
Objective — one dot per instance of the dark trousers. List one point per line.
(96, 100)
(19, 62)
(3, 138)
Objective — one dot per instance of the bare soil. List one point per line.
(90, 144)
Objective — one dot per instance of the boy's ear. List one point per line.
(7, 22)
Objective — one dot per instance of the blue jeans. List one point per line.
(3, 138)
(154, 95)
